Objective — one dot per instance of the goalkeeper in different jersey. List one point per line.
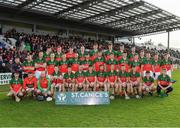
(30, 84)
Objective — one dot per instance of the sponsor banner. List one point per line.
(5, 78)
(82, 98)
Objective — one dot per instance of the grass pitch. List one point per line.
(146, 112)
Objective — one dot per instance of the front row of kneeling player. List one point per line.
(117, 83)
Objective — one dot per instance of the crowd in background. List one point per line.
(37, 43)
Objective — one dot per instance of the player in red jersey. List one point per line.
(16, 87)
(111, 61)
(47, 54)
(63, 65)
(59, 54)
(75, 64)
(99, 61)
(119, 54)
(80, 80)
(94, 52)
(69, 80)
(82, 53)
(167, 64)
(124, 86)
(101, 79)
(91, 78)
(157, 66)
(57, 81)
(134, 80)
(40, 65)
(109, 51)
(70, 55)
(147, 65)
(112, 84)
(148, 84)
(124, 61)
(28, 66)
(30, 84)
(86, 63)
(51, 64)
(136, 63)
(133, 52)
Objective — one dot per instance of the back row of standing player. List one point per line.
(142, 62)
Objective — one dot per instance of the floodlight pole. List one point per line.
(168, 40)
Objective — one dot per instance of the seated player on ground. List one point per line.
(134, 80)
(91, 79)
(148, 84)
(30, 85)
(112, 85)
(57, 81)
(44, 87)
(124, 86)
(101, 79)
(80, 80)
(69, 80)
(164, 84)
(16, 87)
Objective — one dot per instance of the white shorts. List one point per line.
(37, 74)
(169, 73)
(151, 74)
(156, 75)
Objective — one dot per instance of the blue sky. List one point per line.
(172, 6)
